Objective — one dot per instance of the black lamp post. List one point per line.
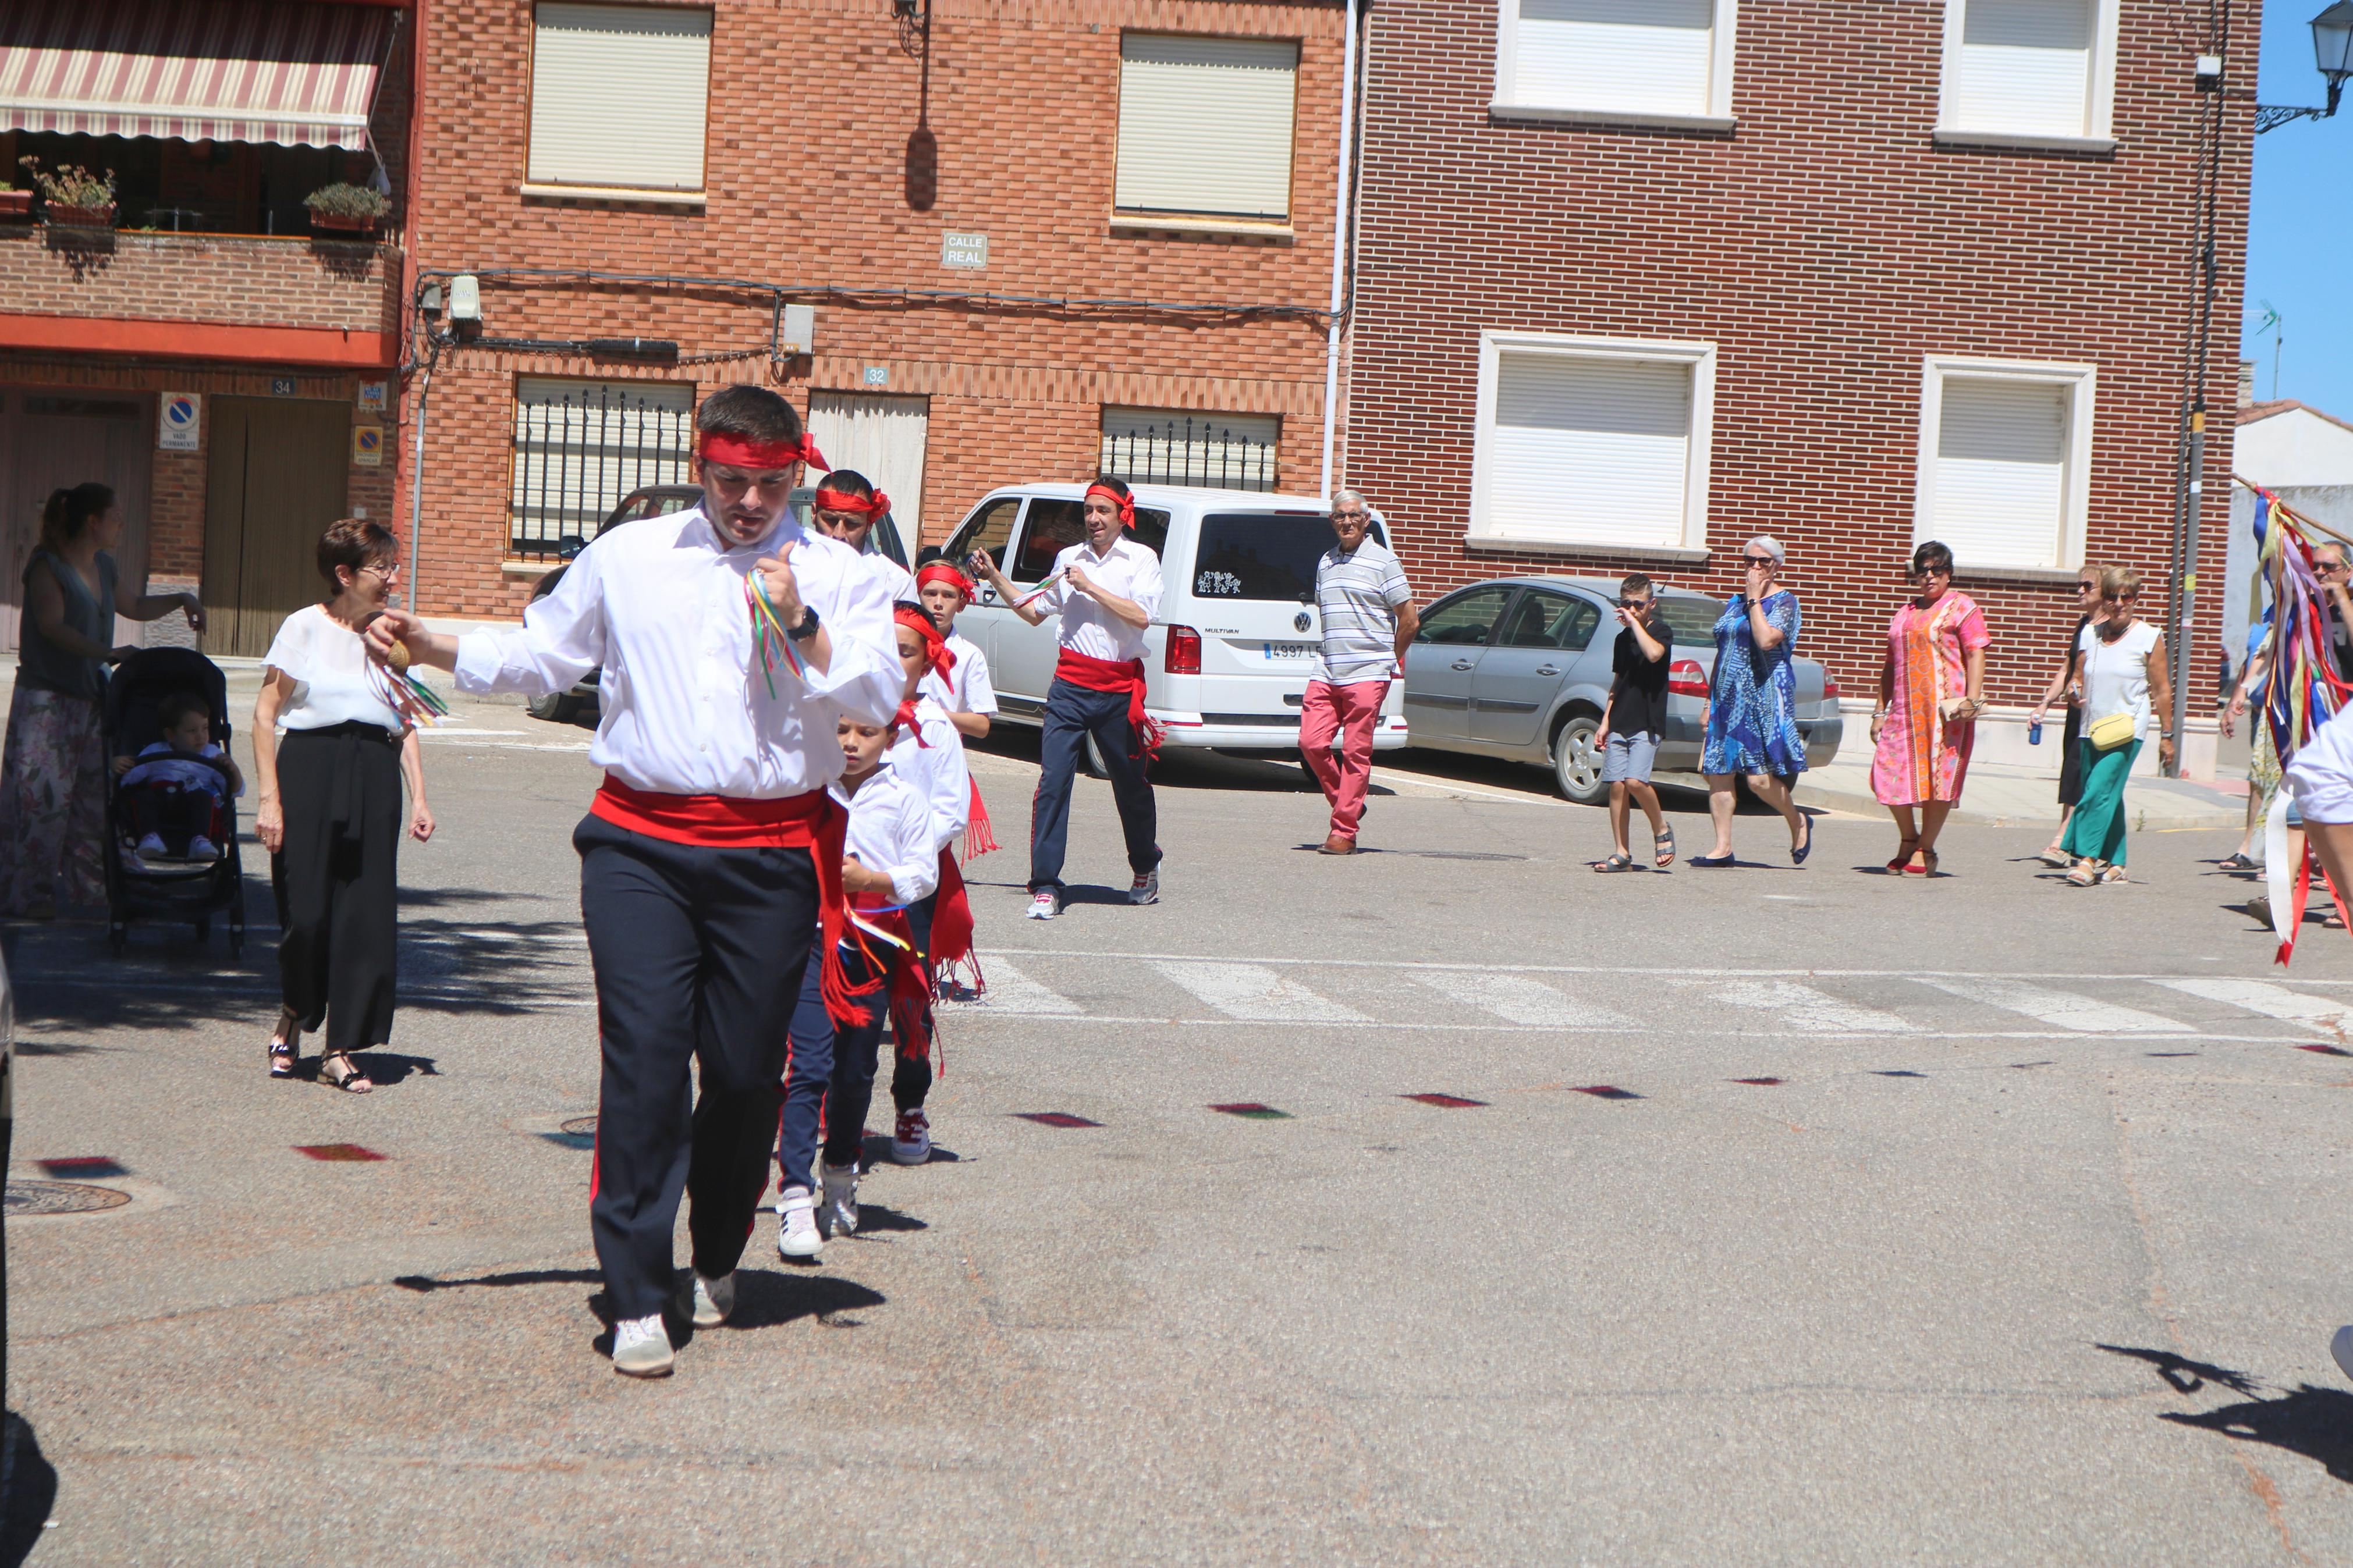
(2332, 50)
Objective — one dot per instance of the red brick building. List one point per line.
(1636, 283)
(226, 362)
(985, 248)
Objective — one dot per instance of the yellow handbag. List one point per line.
(2116, 730)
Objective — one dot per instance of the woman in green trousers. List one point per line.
(2125, 684)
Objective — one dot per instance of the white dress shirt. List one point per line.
(935, 765)
(896, 580)
(1127, 569)
(686, 707)
(890, 832)
(966, 688)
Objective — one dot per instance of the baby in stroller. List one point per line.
(175, 795)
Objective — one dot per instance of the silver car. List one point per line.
(1519, 668)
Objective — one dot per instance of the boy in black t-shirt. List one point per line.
(1629, 737)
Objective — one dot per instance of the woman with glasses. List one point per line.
(330, 747)
(2064, 684)
(1930, 690)
(2125, 686)
(1752, 710)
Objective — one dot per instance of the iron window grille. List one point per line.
(577, 456)
(1199, 452)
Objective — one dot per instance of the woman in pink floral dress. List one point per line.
(1930, 692)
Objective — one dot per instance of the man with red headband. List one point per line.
(847, 507)
(1106, 589)
(733, 642)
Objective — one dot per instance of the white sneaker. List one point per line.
(203, 849)
(1146, 889)
(710, 1302)
(1045, 904)
(154, 845)
(2341, 1347)
(641, 1348)
(797, 1235)
(839, 1215)
(910, 1143)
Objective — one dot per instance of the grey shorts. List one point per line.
(1627, 758)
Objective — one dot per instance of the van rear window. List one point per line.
(1260, 555)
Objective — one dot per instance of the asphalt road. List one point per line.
(1802, 1216)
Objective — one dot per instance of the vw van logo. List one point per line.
(1299, 621)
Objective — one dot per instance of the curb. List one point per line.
(2178, 813)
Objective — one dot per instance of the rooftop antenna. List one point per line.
(2278, 330)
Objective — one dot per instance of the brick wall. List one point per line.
(808, 192)
(247, 279)
(1825, 247)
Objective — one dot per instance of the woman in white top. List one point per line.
(2123, 670)
(331, 746)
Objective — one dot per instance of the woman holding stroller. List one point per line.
(53, 777)
(331, 746)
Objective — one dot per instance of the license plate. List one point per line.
(1288, 652)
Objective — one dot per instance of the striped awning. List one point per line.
(300, 75)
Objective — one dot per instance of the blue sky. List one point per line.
(2300, 232)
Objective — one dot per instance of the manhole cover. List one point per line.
(581, 1127)
(61, 1197)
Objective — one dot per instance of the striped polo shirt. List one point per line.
(1358, 596)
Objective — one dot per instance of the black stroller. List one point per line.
(144, 889)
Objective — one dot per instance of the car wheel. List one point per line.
(1092, 759)
(1576, 761)
(555, 706)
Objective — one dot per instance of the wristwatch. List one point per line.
(808, 628)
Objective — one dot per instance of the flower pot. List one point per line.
(343, 223)
(65, 217)
(16, 204)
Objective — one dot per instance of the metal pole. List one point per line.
(1339, 249)
(416, 472)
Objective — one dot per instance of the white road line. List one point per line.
(1813, 1011)
(2063, 1010)
(2271, 1001)
(1634, 969)
(1248, 991)
(435, 733)
(1015, 993)
(1519, 999)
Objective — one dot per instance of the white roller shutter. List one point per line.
(2025, 68)
(2001, 471)
(1648, 57)
(1590, 450)
(1205, 125)
(618, 96)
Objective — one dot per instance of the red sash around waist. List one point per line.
(1116, 675)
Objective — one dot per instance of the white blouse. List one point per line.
(686, 707)
(335, 680)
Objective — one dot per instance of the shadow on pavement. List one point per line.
(2315, 1421)
(28, 1490)
(424, 1282)
(766, 1299)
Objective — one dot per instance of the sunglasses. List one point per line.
(1633, 604)
(1760, 560)
(2087, 587)
(1348, 517)
(1925, 572)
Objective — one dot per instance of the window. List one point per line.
(1465, 620)
(1551, 620)
(1592, 442)
(1172, 447)
(581, 447)
(1204, 126)
(1668, 62)
(987, 529)
(1056, 525)
(1261, 556)
(2029, 71)
(2005, 461)
(618, 97)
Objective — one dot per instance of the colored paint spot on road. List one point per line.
(345, 1152)
(1253, 1110)
(2035, 1064)
(1450, 1101)
(585, 1142)
(1055, 1119)
(83, 1166)
(2325, 1050)
(1759, 1081)
(2172, 1053)
(1897, 1072)
(1607, 1091)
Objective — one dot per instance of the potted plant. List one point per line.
(73, 197)
(347, 208)
(14, 203)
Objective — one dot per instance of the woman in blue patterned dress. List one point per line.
(1752, 706)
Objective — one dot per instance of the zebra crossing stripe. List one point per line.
(1804, 1008)
(1010, 991)
(2271, 1001)
(1517, 999)
(2060, 1009)
(1253, 992)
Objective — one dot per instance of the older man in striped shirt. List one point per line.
(1369, 619)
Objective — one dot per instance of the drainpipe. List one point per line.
(1339, 248)
(414, 227)
(417, 468)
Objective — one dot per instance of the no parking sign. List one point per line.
(183, 413)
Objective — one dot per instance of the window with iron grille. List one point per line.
(582, 447)
(1171, 447)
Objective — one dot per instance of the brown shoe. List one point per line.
(1336, 845)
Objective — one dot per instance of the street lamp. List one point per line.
(2332, 50)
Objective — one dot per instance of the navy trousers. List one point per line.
(1073, 713)
(835, 1072)
(699, 955)
(808, 1073)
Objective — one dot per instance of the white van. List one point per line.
(1226, 659)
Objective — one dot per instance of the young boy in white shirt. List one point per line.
(965, 692)
(929, 754)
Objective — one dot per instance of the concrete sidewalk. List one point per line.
(1999, 796)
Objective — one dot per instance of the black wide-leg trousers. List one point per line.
(336, 875)
(699, 953)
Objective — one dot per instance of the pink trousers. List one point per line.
(1351, 712)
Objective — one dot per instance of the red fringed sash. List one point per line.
(979, 833)
(1116, 675)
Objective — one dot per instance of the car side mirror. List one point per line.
(570, 545)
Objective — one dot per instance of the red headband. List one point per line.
(935, 646)
(943, 572)
(1126, 504)
(874, 505)
(760, 457)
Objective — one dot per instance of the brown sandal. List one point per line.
(285, 1044)
(350, 1080)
